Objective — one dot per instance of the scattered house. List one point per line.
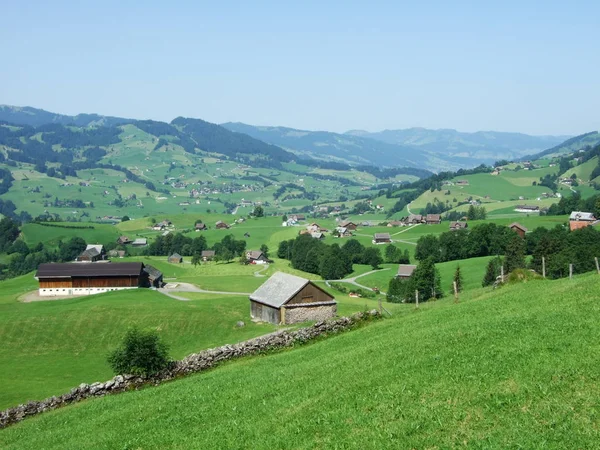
(207, 255)
(366, 223)
(395, 223)
(580, 219)
(462, 182)
(92, 253)
(414, 219)
(518, 228)
(287, 299)
(343, 232)
(527, 208)
(116, 253)
(433, 219)
(165, 223)
(123, 240)
(256, 257)
(175, 258)
(382, 238)
(405, 271)
(317, 235)
(140, 242)
(348, 225)
(458, 226)
(58, 279)
(298, 217)
(221, 225)
(200, 226)
(158, 227)
(155, 276)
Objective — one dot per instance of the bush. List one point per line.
(141, 353)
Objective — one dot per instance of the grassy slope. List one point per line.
(511, 368)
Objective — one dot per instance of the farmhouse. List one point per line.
(462, 182)
(155, 276)
(317, 235)
(348, 225)
(343, 232)
(175, 258)
(414, 219)
(433, 219)
(458, 226)
(287, 299)
(405, 271)
(527, 208)
(84, 279)
(123, 240)
(207, 255)
(256, 257)
(92, 253)
(518, 228)
(200, 226)
(579, 219)
(221, 225)
(140, 242)
(382, 238)
(298, 217)
(395, 223)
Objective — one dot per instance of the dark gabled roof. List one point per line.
(459, 224)
(69, 270)
(382, 236)
(89, 252)
(433, 218)
(254, 254)
(153, 272)
(208, 253)
(518, 225)
(406, 270)
(175, 256)
(279, 289)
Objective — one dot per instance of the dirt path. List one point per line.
(259, 273)
(352, 280)
(171, 289)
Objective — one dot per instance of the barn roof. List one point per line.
(207, 253)
(278, 289)
(90, 252)
(68, 270)
(153, 272)
(382, 236)
(580, 215)
(254, 254)
(517, 225)
(406, 270)
(175, 256)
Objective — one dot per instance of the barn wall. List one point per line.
(79, 291)
(105, 282)
(54, 283)
(310, 294)
(264, 313)
(85, 286)
(309, 313)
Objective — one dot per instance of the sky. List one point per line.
(525, 66)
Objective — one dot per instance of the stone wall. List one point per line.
(309, 313)
(193, 363)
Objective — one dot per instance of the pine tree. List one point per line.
(514, 255)
(458, 279)
(491, 272)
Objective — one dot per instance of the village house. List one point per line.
(405, 271)
(256, 257)
(527, 208)
(298, 217)
(462, 182)
(458, 226)
(414, 219)
(317, 235)
(220, 225)
(382, 238)
(518, 228)
(348, 225)
(287, 299)
(395, 223)
(140, 242)
(158, 227)
(343, 232)
(123, 240)
(207, 255)
(92, 253)
(433, 219)
(58, 279)
(155, 276)
(175, 258)
(580, 219)
(200, 226)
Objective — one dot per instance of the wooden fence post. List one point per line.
(417, 297)
(502, 273)
(597, 266)
(543, 267)
(570, 271)
(380, 305)
(455, 292)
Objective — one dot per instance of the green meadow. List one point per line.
(507, 368)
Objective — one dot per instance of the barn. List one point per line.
(175, 258)
(58, 279)
(286, 299)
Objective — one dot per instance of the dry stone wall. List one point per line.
(308, 313)
(193, 363)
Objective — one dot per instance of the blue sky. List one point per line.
(531, 67)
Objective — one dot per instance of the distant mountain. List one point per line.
(482, 146)
(26, 115)
(343, 147)
(571, 145)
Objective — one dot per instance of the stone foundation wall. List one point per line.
(308, 313)
(193, 363)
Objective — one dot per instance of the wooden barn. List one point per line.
(518, 228)
(175, 258)
(405, 271)
(286, 299)
(155, 276)
(58, 279)
(382, 238)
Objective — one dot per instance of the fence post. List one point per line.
(455, 292)
(502, 273)
(570, 271)
(380, 306)
(417, 297)
(543, 267)
(597, 266)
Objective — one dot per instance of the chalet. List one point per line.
(123, 240)
(518, 228)
(221, 225)
(579, 219)
(343, 232)
(395, 223)
(414, 219)
(140, 242)
(458, 226)
(462, 182)
(92, 253)
(158, 227)
(200, 226)
(348, 225)
(298, 217)
(287, 299)
(57, 279)
(382, 238)
(155, 276)
(175, 258)
(528, 208)
(116, 253)
(405, 271)
(256, 257)
(433, 219)
(207, 255)
(165, 223)
(317, 235)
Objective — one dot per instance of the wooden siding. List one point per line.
(265, 313)
(310, 294)
(53, 283)
(92, 282)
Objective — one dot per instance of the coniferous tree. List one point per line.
(515, 254)
(458, 279)
(492, 271)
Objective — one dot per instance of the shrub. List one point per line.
(141, 353)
